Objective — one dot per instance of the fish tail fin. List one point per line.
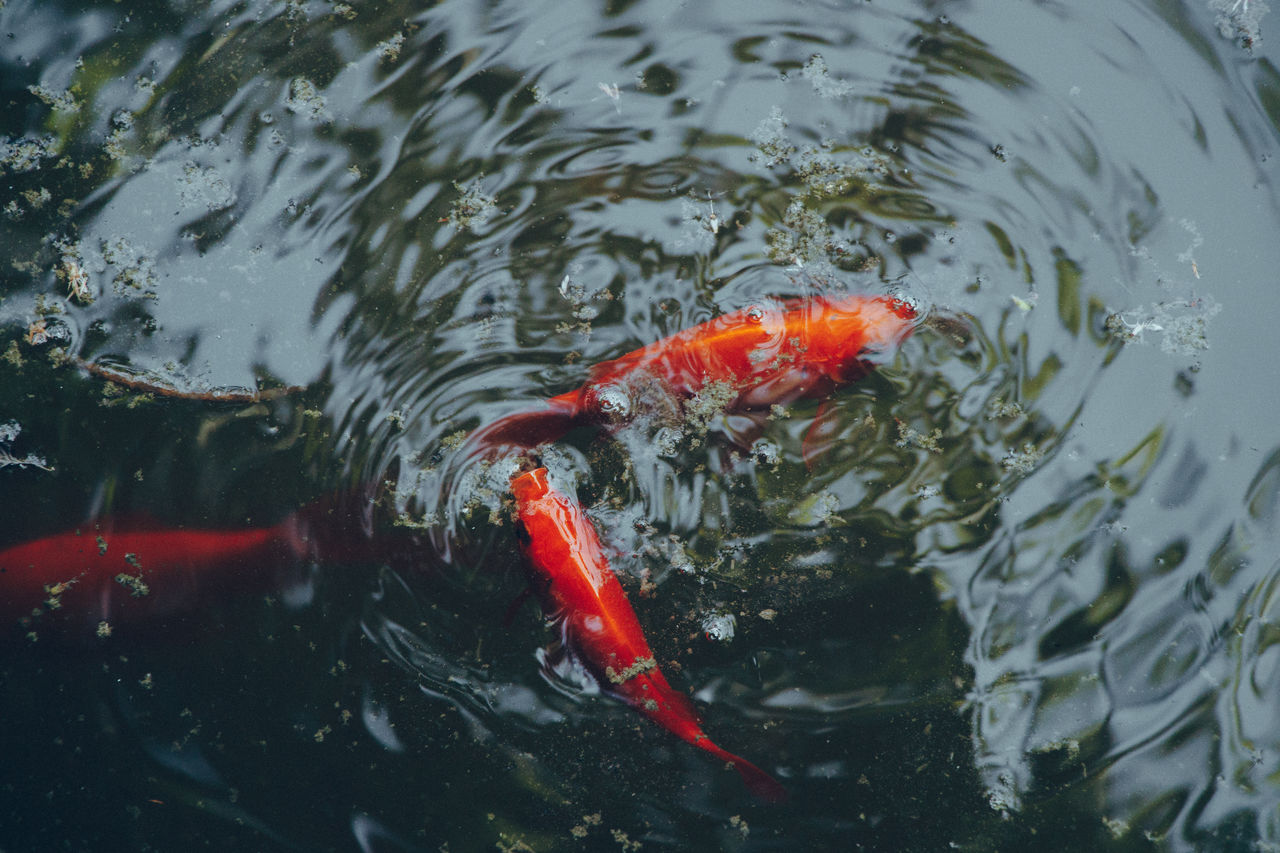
(759, 783)
(335, 526)
(523, 430)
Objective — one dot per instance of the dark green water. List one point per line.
(1025, 602)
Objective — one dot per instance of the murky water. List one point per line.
(1029, 593)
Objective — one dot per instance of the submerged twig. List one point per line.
(150, 385)
(7, 459)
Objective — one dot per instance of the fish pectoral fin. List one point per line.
(821, 435)
(523, 430)
(743, 429)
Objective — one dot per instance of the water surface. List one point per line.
(1027, 594)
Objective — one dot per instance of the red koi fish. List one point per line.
(576, 584)
(103, 571)
(762, 356)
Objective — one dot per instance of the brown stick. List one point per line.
(134, 382)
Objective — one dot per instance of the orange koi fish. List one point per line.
(573, 578)
(762, 355)
(103, 571)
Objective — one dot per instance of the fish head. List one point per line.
(608, 403)
(530, 486)
(852, 328)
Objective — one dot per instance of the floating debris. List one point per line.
(576, 294)
(389, 50)
(135, 267)
(676, 555)
(37, 198)
(999, 409)
(37, 333)
(121, 125)
(474, 208)
(613, 93)
(55, 591)
(1183, 325)
(204, 187)
(1024, 305)
(1185, 336)
(637, 667)
(1240, 20)
(1022, 461)
(1129, 332)
(134, 583)
(702, 224)
(766, 452)
(25, 154)
(1197, 240)
(1117, 827)
(771, 138)
(827, 176)
(13, 355)
(816, 510)
(815, 71)
(909, 437)
(305, 100)
(719, 626)
(627, 844)
(804, 238)
(62, 101)
(705, 405)
(666, 441)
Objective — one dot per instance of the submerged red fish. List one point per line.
(104, 570)
(572, 576)
(761, 356)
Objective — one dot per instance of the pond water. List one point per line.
(1028, 595)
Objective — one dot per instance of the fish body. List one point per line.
(106, 570)
(572, 576)
(756, 357)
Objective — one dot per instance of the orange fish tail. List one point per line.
(758, 782)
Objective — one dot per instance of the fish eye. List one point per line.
(755, 314)
(906, 305)
(613, 402)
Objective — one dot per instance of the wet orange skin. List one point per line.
(78, 570)
(140, 572)
(571, 575)
(767, 355)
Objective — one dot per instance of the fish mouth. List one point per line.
(530, 485)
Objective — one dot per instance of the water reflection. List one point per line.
(1034, 536)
